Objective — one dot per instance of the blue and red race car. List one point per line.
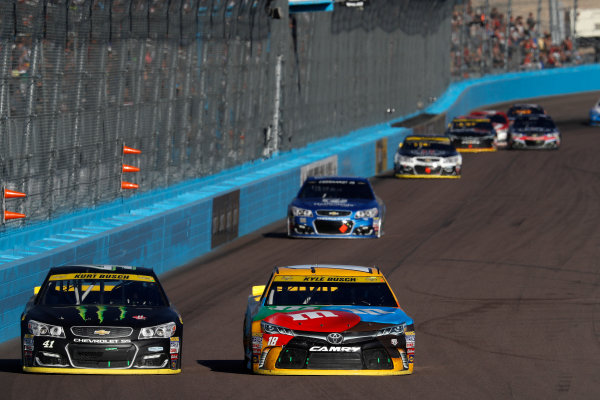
(336, 207)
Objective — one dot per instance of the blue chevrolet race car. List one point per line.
(336, 207)
(595, 114)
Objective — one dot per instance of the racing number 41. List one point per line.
(48, 344)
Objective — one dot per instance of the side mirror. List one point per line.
(258, 290)
(36, 290)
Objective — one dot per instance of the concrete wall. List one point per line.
(167, 228)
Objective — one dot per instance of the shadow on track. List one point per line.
(228, 366)
(276, 235)
(11, 365)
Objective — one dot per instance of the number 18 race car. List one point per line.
(327, 320)
(101, 320)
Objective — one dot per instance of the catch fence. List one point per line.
(198, 86)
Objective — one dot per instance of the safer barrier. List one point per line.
(167, 228)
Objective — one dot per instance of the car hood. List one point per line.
(332, 318)
(102, 315)
(335, 204)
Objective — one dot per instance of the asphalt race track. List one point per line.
(500, 271)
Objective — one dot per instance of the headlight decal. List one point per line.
(301, 212)
(41, 329)
(370, 213)
(392, 330)
(272, 329)
(158, 331)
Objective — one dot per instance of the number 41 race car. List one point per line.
(101, 319)
(327, 320)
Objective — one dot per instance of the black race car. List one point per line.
(472, 134)
(519, 109)
(101, 320)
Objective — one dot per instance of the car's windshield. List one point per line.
(472, 124)
(427, 147)
(526, 123)
(516, 111)
(326, 293)
(133, 290)
(498, 119)
(336, 189)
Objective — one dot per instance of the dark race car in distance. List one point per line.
(472, 134)
(99, 319)
(534, 132)
(427, 157)
(336, 207)
(524, 109)
(499, 121)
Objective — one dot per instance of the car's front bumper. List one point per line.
(332, 228)
(100, 371)
(121, 356)
(268, 366)
(474, 144)
(533, 143)
(427, 171)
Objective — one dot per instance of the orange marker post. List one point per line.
(12, 194)
(129, 185)
(13, 215)
(131, 150)
(130, 168)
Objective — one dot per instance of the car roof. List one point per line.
(85, 268)
(432, 138)
(474, 119)
(328, 269)
(526, 105)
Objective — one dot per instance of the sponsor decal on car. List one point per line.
(155, 349)
(174, 346)
(101, 341)
(338, 349)
(324, 278)
(256, 343)
(94, 275)
(139, 317)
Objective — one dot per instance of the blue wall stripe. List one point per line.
(166, 228)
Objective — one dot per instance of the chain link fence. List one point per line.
(198, 86)
(491, 36)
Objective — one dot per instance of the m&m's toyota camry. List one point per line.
(327, 320)
(336, 207)
(101, 320)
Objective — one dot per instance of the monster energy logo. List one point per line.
(100, 313)
(123, 312)
(82, 311)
